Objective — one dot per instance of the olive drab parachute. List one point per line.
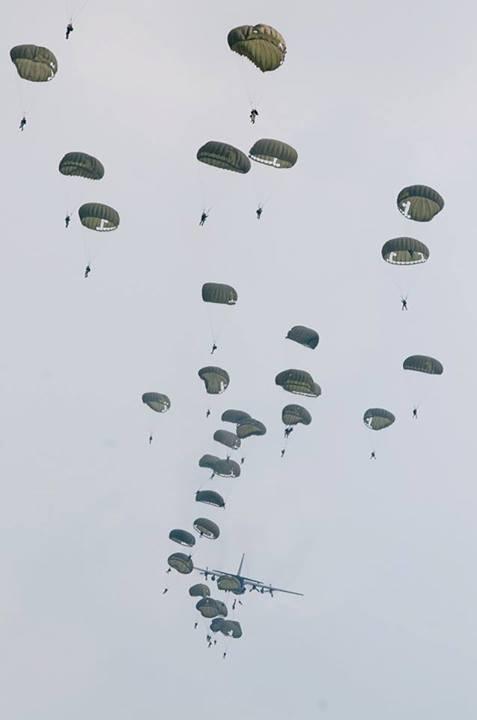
(304, 336)
(156, 401)
(181, 562)
(226, 157)
(298, 382)
(273, 152)
(182, 537)
(261, 44)
(378, 418)
(210, 497)
(210, 608)
(424, 364)
(419, 202)
(81, 165)
(230, 628)
(219, 466)
(250, 427)
(230, 583)
(405, 251)
(207, 528)
(295, 415)
(216, 379)
(34, 63)
(227, 438)
(96, 216)
(219, 293)
(235, 416)
(199, 590)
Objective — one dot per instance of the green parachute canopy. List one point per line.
(419, 202)
(227, 438)
(221, 467)
(273, 152)
(378, 418)
(298, 382)
(101, 218)
(210, 608)
(230, 628)
(295, 414)
(181, 562)
(219, 293)
(261, 44)
(34, 63)
(226, 157)
(156, 401)
(423, 363)
(404, 251)
(235, 416)
(250, 427)
(182, 537)
(207, 528)
(304, 336)
(230, 583)
(199, 590)
(210, 498)
(82, 165)
(216, 379)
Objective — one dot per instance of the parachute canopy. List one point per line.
(235, 416)
(224, 156)
(404, 251)
(227, 438)
(221, 467)
(210, 608)
(181, 562)
(298, 382)
(156, 401)
(230, 583)
(34, 63)
(199, 590)
(101, 218)
(182, 537)
(295, 414)
(423, 363)
(273, 152)
(419, 202)
(82, 165)
(261, 44)
(378, 418)
(216, 379)
(304, 335)
(210, 498)
(207, 528)
(219, 293)
(250, 427)
(230, 628)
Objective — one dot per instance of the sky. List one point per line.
(374, 98)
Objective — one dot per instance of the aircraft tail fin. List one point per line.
(239, 571)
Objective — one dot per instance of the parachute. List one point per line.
(298, 382)
(230, 583)
(181, 562)
(34, 63)
(227, 438)
(419, 202)
(207, 528)
(423, 363)
(295, 414)
(273, 152)
(230, 628)
(156, 401)
(305, 336)
(216, 380)
(223, 156)
(221, 467)
(378, 418)
(182, 537)
(82, 165)
(235, 416)
(261, 44)
(199, 590)
(101, 218)
(210, 608)
(210, 498)
(219, 293)
(404, 251)
(250, 427)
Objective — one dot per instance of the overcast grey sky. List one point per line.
(374, 97)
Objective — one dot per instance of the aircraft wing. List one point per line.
(269, 588)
